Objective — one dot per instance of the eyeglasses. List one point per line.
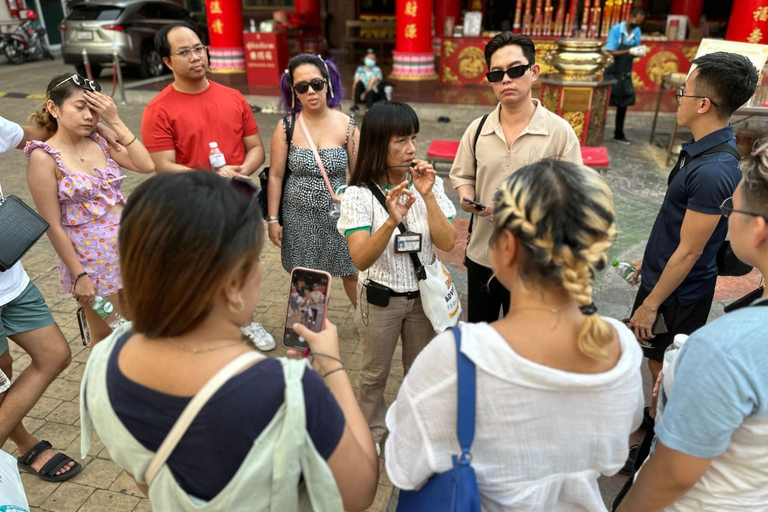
(81, 82)
(513, 72)
(317, 84)
(726, 209)
(251, 190)
(198, 50)
(679, 94)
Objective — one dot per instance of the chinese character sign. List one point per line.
(225, 23)
(414, 26)
(749, 22)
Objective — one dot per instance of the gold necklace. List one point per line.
(554, 311)
(202, 350)
(79, 155)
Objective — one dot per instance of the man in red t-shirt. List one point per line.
(179, 123)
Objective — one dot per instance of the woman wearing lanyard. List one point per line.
(389, 306)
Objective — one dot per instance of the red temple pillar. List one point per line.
(445, 9)
(748, 22)
(413, 58)
(690, 8)
(225, 32)
(309, 10)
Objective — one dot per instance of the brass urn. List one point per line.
(579, 59)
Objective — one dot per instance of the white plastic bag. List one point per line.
(12, 497)
(439, 297)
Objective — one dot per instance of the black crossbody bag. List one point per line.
(20, 228)
(264, 177)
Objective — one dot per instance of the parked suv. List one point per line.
(103, 26)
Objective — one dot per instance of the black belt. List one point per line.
(408, 295)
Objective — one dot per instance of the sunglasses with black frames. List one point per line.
(81, 81)
(513, 72)
(726, 209)
(317, 84)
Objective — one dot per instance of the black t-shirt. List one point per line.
(700, 186)
(218, 440)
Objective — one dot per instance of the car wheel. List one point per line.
(151, 64)
(95, 70)
(15, 52)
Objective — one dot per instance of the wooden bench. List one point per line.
(361, 35)
(444, 151)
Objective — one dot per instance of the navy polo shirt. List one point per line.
(700, 186)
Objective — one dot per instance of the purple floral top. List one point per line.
(85, 198)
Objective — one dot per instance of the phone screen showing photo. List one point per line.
(307, 301)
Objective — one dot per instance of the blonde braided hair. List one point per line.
(562, 214)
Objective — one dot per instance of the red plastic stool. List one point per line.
(596, 157)
(443, 151)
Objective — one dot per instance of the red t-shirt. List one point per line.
(188, 122)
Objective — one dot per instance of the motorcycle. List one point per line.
(26, 42)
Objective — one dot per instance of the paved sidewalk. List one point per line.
(637, 178)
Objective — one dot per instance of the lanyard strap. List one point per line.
(317, 156)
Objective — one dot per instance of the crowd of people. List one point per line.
(171, 393)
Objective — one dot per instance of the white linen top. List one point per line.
(361, 210)
(542, 435)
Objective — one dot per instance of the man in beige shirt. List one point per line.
(520, 131)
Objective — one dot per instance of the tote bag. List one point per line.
(439, 297)
(20, 228)
(12, 497)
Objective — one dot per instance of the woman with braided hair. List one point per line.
(550, 369)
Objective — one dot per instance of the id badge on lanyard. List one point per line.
(408, 242)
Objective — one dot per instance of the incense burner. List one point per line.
(579, 59)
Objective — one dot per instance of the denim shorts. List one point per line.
(27, 312)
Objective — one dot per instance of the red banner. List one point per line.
(413, 26)
(266, 57)
(225, 23)
(749, 22)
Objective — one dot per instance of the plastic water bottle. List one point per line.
(216, 157)
(106, 310)
(5, 382)
(668, 372)
(625, 270)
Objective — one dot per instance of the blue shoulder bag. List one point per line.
(456, 489)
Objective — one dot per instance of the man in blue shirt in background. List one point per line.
(679, 271)
(712, 450)
(624, 44)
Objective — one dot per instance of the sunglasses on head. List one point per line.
(317, 84)
(252, 191)
(83, 82)
(513, 72)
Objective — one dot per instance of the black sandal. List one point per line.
(48, 471)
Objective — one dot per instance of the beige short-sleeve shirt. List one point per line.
(546, 136)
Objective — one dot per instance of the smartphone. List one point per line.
(307, 304)
(85, 334)
(477, 205)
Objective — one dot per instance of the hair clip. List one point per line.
(591, 309)
(327, 72)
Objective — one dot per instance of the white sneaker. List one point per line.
(260, 337)
(378, 449)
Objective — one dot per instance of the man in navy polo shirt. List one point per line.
(679, 271)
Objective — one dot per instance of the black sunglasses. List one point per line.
(513, 72)
(83, 82)
(251, 190)
(726, 209)
(317, 84)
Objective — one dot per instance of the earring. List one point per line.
(53, 116)
(327, 72)
(240, 306)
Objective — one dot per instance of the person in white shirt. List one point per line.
(558, 386)
(390, 308)
(26, 319)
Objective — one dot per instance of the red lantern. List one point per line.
(749, 22)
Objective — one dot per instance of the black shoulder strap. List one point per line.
(474, 154)
(289, 133)
(421, 273)
(723, 147)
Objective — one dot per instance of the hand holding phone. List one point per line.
(307, 305)
(478, 206)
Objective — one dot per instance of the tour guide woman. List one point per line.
(415, 197)
(273, 437)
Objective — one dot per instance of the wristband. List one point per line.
(273, 218)
(132, 141)
(333, 371)
(78, 278)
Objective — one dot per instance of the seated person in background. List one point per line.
(550, 369)
(368, 86)
(275, 436)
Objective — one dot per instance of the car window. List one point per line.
(94, 13)
(172, 12)
(148, 12)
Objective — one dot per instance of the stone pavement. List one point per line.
(637, 178)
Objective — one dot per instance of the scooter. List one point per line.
(26, 42)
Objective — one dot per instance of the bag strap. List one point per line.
(474, 155)
(289, 132)
(421, 272)
(685, 158)
(317, 156)
(193, 408)
(466, 395)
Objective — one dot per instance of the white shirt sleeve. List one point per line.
(355, 210)
(442, 199)
(11, 135)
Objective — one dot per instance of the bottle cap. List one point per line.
(212, 145)
(679, 340)
(615, 263)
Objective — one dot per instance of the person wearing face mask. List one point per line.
(624, 44)
(368, 86)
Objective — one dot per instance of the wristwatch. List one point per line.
(272, 218)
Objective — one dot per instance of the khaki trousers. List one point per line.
(379, 330)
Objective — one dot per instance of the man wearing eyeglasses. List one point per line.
(520, 131)
(712, 440)
(679, 270)
(182, 120)
(624, 44)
